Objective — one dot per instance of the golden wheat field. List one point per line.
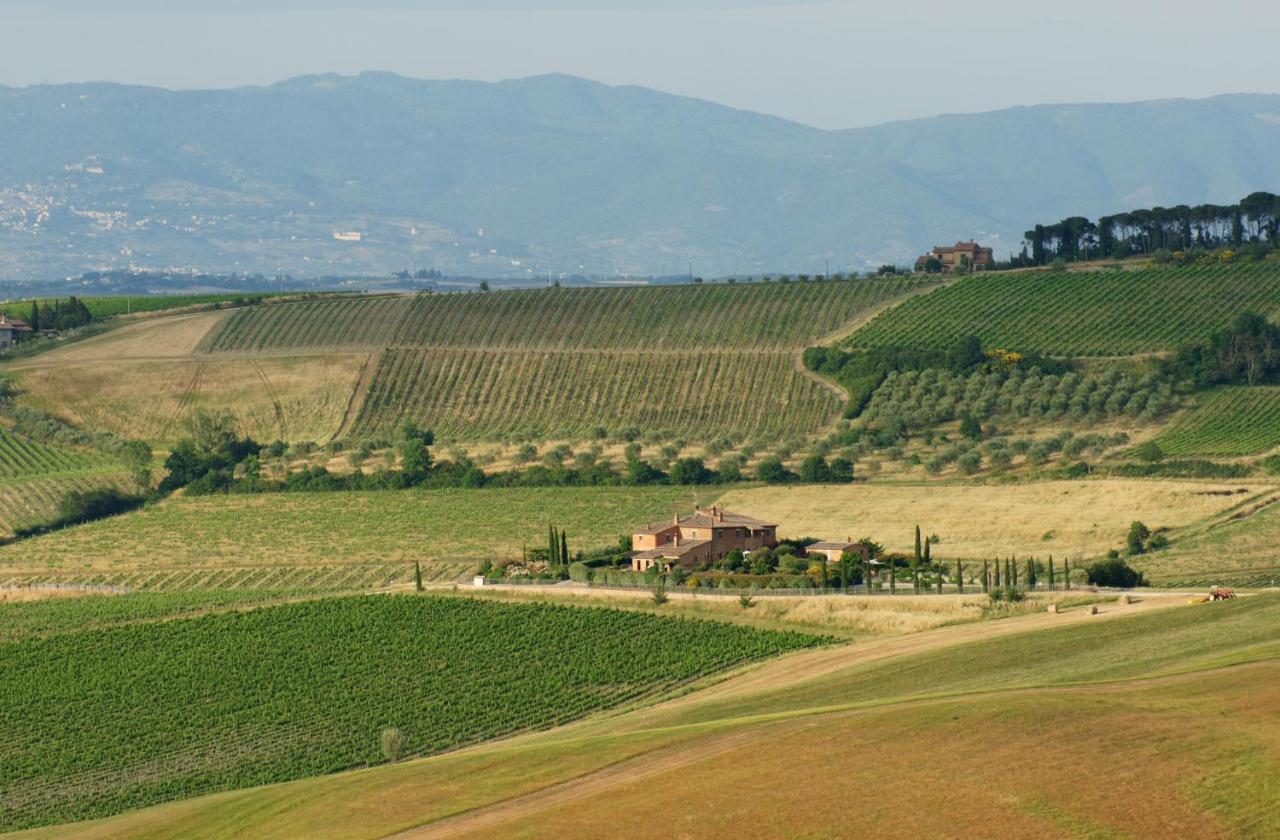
(1068, 519)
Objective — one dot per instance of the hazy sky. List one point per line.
(832, 64)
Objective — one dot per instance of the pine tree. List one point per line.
(417, 575)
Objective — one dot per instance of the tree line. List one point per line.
(1254, 220)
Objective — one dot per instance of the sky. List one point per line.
(836, 64)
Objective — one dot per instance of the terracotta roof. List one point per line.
(670, 552)
(705, 519)
(832, 546)
(15, 324)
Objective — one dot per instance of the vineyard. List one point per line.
(346, 322)
(21, 456)
(172, 709)
(1229, 421)
(752, 316)
(55, 616)
(329, 540)
(480, 394)
(1080, 313)
(34, 476)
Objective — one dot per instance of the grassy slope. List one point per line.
(174, 708)
(1068, 519)
(1079, 313)
(1111, 759)
(450, 528)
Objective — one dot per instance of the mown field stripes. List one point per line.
(1230, 421)
(480, 394)
(1080, 313)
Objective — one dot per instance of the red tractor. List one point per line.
(1222, 594)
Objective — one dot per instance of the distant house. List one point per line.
(945, 258)
(833, 551)
(11, 331)
(707, 535)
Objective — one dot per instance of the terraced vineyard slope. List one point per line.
(35, 476)
(698, 360)
(177, 708)
(1229, 421)
(1080, 313)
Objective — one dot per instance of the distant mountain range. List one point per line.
(376, 173)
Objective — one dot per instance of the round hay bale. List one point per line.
(1125, 600)
(1093, 609)
(1052, 609)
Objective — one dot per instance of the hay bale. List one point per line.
(1093, 609)
(1052, 609)
(1125, 600)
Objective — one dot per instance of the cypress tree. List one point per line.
(553, 547)
(959, 578)
(928, 562)
(986, 577)
(893, 576)
(997, 574)
(35, 316)
(1066, 575)
(918, 555)
(564, 553)
(1031, 573)
(1013, 567)
(915, 576)
(1050, 572)
(417, 575)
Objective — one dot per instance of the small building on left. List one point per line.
(12, 330)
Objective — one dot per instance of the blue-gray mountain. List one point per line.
(333, 175)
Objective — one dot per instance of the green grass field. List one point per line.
(179, 708)
(331, 540)
(1080, 313)
(1229, 421)
(106, 306)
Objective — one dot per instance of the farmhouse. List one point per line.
(707, 535)
(11, 331)
(833, 551)
(945, 258)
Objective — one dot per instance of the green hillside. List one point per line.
(699, 361)
(178, 708)
(1061, 313)
(1229, 421)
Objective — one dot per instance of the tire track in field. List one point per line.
(275, 399)
(186, 398)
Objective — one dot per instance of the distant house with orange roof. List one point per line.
(705, 536)
(946, 258)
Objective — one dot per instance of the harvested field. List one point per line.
(1068, 519)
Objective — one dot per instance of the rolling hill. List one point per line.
(696, 361)
(1080, 313)
(555, 174)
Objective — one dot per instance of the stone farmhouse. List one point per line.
(833, 551)
(967, 254)
(705, 536)
(11, 330)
